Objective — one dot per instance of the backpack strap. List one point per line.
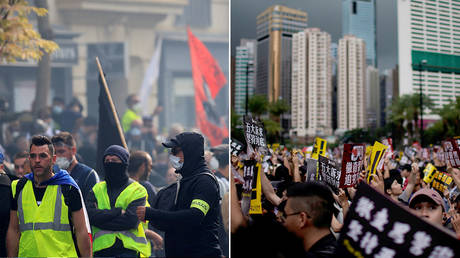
(215, 180)
(19, 186)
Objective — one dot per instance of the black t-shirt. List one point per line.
(71, 197)
(325, 247)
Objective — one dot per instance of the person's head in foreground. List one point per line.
(308, 212)
(428, 205)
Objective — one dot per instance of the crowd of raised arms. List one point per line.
(302, 214)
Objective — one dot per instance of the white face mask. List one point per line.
(214, 163)
(63, 163)
(175, 162)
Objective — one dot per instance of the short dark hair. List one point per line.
(21, 155)
(130, 98)
(40, 140)
(316, 199)
(136, 159)
(389, 181)
(64, 138)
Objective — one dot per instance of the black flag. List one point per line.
(109, 130)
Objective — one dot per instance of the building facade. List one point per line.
(275, 27)
(244, 75)
(372, 97)
(429, 49)
(311, 99)
(359, 19)
(351, 79)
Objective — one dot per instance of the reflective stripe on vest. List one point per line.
(127, 233)
(55, 225)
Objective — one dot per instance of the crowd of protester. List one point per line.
(148, 162)
(304, 217)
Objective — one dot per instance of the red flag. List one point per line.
(205, 66)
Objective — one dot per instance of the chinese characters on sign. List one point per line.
(254, 132)
(252, 188)
(352, 163)
(452, 152)
(236, 147)
(329, 172)
(378, 227)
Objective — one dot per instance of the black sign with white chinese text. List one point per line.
(329, 172)
(375, 226)
(236, 147)
(352, 163)
(254, 132)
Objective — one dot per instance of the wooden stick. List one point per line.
(112, 106)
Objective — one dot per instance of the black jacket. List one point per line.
(191, 232)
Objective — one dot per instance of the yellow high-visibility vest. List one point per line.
(45, 229)
(133, 239)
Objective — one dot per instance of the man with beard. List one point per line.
(192, 220)
(38, 225)
(66, 149)
(112, 207)
(139, 168)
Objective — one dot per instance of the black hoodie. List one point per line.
(191, 232)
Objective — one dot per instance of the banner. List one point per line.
(252, 188)
(319, 149)
(388, 154)
(377, 153)
(254, 132)
(236, 147)
(452, 152)
(329, 172)
(375, 226)
(352, 163)
(204, 66)
(410, 152)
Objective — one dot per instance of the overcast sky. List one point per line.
(324, 14)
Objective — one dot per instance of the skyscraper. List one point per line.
(429, 49)
(359, 19)
(311, 100)
(372, 96)
(351, 93)
(244, 74)
(275, 27)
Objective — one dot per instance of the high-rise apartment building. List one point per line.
(351, 93)
(244, 74)
(429, 49)
(311, 100)
(359, 19)
(275, 27)
(372, 96)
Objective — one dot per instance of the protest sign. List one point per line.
(451, 152)
(254, 132)
(319, 149)
(441, 181)
(352, 163)
(429, 173)
(377, 153)
(375, 226)
(329, 172)
(388, 153)
(311, 169)
(252, 188)
(410, 152)
(236, 147)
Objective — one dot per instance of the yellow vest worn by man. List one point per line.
(45, 229)
(133, 239)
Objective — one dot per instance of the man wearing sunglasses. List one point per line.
(191, 223)
(308, 214)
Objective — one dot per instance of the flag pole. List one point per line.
(112, 106)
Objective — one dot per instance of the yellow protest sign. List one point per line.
(441, 181)
(319, 148)
(429, 173)
(377, 153)
(256, 194)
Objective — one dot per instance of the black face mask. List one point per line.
(115, 174)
